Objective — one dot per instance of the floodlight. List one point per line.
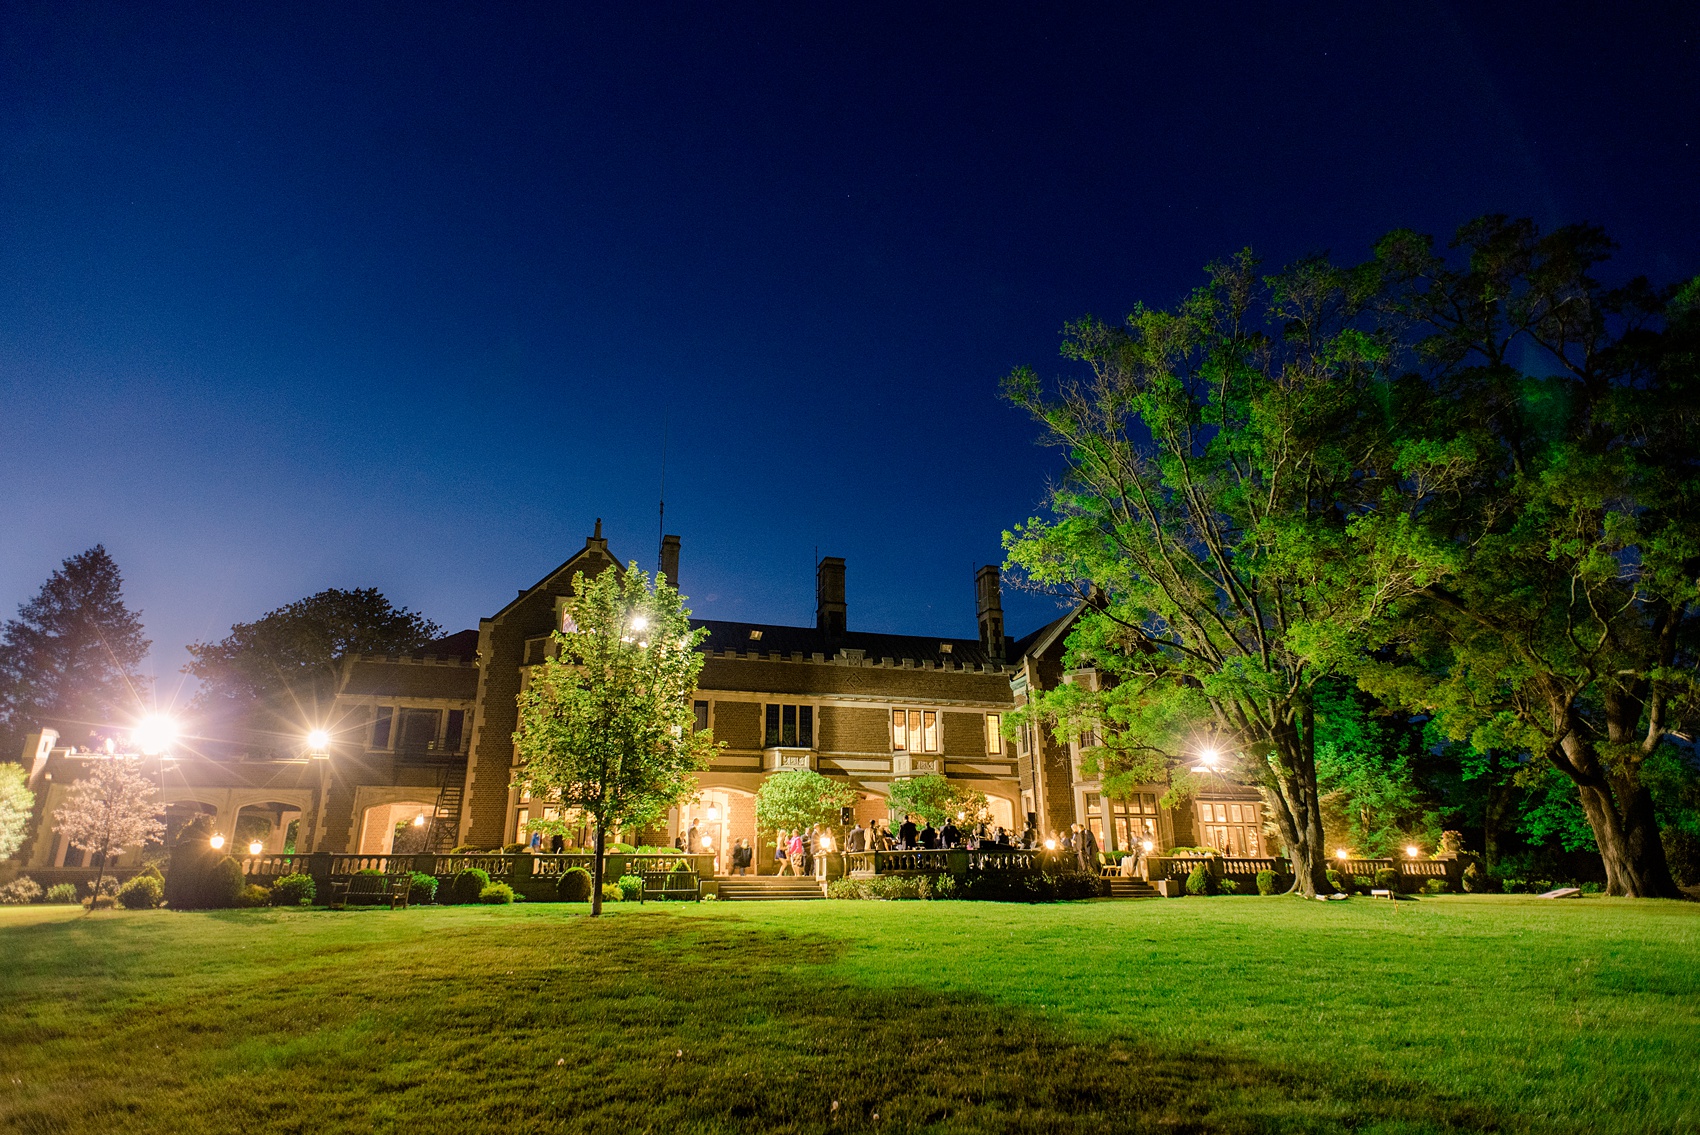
(154, 734)
(216, 843)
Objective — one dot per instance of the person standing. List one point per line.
(949, 836)
(906, 833)
(794, 854)
(929, 837)
(557, 843)
(1086, 849)
(856, 839)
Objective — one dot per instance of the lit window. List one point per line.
(701, 711)
(791, 726)
(994, 733)
(915, 730)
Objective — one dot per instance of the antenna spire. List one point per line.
(661, 520)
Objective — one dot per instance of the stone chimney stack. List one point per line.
(988, 594)
(829, 597)
(670, 559)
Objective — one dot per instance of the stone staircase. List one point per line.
(1131, 888)
(753, 888)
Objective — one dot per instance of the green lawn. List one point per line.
(1229, 1014)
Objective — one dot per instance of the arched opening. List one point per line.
(271, 828)
(713, 823)
(399, 828)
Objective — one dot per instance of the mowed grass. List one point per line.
(1230, 1014)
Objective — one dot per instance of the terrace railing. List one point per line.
(952, 861)
(500, 866)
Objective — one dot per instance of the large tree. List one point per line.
(607, 723)
(72, 659)
(280, 671)
(111, 808)
(1216, 457)
(17, 804)
(1548, 477)
(798, 799)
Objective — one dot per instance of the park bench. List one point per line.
(670, 885)
(395, 887)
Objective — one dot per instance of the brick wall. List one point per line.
(764, 676)
(964, 734)
(737, 724)
(846, 729)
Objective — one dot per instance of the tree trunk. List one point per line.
(596, 873)
(1625, 827)
(1499, 797)
(1298, 810)
(99, 874)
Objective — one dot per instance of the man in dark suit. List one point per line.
(906, 833)
(950, 836)
(929, 838)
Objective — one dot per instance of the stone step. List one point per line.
(1131, 889)
(755, 889)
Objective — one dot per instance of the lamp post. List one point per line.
(318, 752)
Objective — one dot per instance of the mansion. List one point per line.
(421, 753)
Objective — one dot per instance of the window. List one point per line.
(791, 726)
(700, 709)
(1135, 821)
(418, 731)
(457, 723)
(915, 730)
(1095, 816)
(381, 718)
(994, 734)
(1236, 829)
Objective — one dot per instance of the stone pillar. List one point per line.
(522, 868)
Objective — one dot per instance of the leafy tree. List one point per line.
(1366, 770)
(72, 658)
(1217, 454)
(17, 804)
(283, 667)
(935, 799)
(1547, 484)
(607, 722)
(108, 810)
(798, 799)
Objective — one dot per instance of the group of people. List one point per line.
(877, 836)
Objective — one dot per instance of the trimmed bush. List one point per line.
(62, 892)
(1386, 879)
(466, 849)
(1434, 886)
(421, 888)
(19, 891)
(1341, 884)
(611, 892)
(496, 894)
(515, 848)
(224, 883)
(294, 890)
(631, 887)
(254, 895)
(1266, 882)
(144, 892)
(468, 885)
(1479, 882)
(1079, 885)
(573, 885)
(1200, 881)
(1229, 887)
(199, 878)
(844, 889)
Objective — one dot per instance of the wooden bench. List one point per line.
(670, 885)
(395, 887)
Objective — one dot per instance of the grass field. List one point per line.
(1232, 1014)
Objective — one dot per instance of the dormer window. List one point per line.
(944, 648)
(755, 636)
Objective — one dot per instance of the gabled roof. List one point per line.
(807, 641)
(1038, 643)
(461, 644)
(595, 549)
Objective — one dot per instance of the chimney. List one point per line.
(670, 559)
(988, 594)
(597, 541)
(829, 596)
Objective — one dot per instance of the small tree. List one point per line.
(110, 809)
(937, 800)
(16, 804)
(607, 723)
(800, 798)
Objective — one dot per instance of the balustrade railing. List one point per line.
(1004, 861)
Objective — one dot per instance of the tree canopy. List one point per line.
(937, 801)
(72, 659)
(607, 722)
(17, 804)
(797, 799)
(109, 809)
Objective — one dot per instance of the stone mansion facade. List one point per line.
(422, 747)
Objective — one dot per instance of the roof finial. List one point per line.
(598, 535)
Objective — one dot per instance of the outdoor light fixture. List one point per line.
(419, 820)
(708, 843)
(1210, 756)
(154, 734)
(216, 842)
(256, 847)
(1147, 845)
(1050, 845)
(318, 742)
(826, 843)
(1340, 854)
(1413, 851)
(111, 746)
(713, 812)
(640, 623)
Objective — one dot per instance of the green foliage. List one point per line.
(1479, 882)
(291, 657)
(467, 885)
(573, 885)
(294, 890)
(1200, 881)
(20, 891)
(1266, 882)
(631, 887)
(62, 893)
(466, 849)
(1366, 769)
(253, 895)
(1434, 886)
(188, 874)
(141, 892)
(74, 653)
(798, 799)
(938, 800)
(496, 894)
(1342, 884)
(1386, 878)
(607, 723)
(421, 888)
(1229, 887)
(224, 883)
(16, 804)
(611, 892)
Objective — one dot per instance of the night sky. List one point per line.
(406, 295)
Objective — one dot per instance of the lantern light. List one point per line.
(255, 847)
(708, 843)
(1341, 855)
(419, 820)
(1147, 845)
(1050, 845)
(713, 812)
(216, 842)
(1210, 757)
(318, 741)
(1413, 851)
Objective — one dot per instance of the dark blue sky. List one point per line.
(401, 296)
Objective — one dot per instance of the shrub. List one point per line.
(1200, 881)
(1478, 881)
(496, 894)
(573, 885)
(938, 887)
(844, 889)
(19, 891)
(467, 885)
(631, 887)
(1682, 853)
(62, 892)
(1434, 886)
(1339, 882)
(103, 901)
(1386, 879)
(1078, 885)
(620, 849)
(466, 849)
(1591, 888)
(1009, 888)
(294, 890)
(421, 888)
(611, 892)
(1230, 887)
(515, 848)
(198, 877)
(1266, 882)
(254, 895)
(224, 884)
(144, 892)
